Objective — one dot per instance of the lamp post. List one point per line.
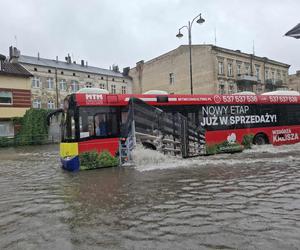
(179, 35)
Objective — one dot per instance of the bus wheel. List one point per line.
(260, 139)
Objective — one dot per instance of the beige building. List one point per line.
(215, 70)
(53, 80)
(14, 94)
(294, 81)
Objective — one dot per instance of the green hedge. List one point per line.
(34, 129)
(93, 160)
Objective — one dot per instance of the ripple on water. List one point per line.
(242, 201)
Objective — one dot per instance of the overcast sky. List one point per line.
(106, 32)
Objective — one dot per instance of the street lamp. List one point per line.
(200, 20)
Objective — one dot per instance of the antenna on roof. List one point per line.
(215, 36)
(16, 41)
(253, 48)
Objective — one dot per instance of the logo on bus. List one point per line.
(217, 99)
(231, 138)
(283, 135)
(93, 97)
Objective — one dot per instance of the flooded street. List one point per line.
(249, 200)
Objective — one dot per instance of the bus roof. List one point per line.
(96, 99)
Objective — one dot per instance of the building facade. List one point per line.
(294, 81)
(15, 95)
(216, 70)
(53, 80)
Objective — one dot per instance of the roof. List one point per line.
(67, 66)
(231, 51)
(15, 69)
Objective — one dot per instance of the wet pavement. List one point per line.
(249, 200)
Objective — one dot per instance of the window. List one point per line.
(113, 79)
(278, 75)
(35, 69)
(74, 74)
(171, 78)
(102, 85)
(231, 88)
(62, 73)
(284, 77)
(63, 85)
(123, 89)
(37, 103)
(49, 70)
(229, 69)
(88, 85)
(50, 83)
(36, 82)
(98, 121)
(247, 69)
(221, 68)
(257, 72)
(6, 97)
(238, 69)
(267, 74)
(221, 89)
(113, 89)
(89, 76)
(51, 104)
(123, 80)
(101, 77)
(273, 76)
(6, 128)
(74, 86)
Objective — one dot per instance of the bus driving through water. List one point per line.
(93, 121)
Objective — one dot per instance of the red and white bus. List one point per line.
(271, 119)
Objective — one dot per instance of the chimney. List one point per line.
(126, 71)
(14, 54)
(38, 56)
(86, 64)
(82, 63)
(56, 59)
(2, 59)
(68, 59)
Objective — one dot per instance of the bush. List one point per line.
(224, 147)
(107, 160)
(34, 128)
(6, 142)
(247, 141)
(89, 160)
(92, 160)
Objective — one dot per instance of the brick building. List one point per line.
(216, 70)
(53, 80)
(15, 97)
(294, 81)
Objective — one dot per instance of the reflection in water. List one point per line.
(241, 201)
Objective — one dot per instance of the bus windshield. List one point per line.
(93, 122)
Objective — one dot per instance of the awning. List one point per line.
(294, 32)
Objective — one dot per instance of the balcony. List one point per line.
(246, 82)
(247, 78)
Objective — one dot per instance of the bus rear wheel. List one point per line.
(260, 139)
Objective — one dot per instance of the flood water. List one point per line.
(249, 200)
